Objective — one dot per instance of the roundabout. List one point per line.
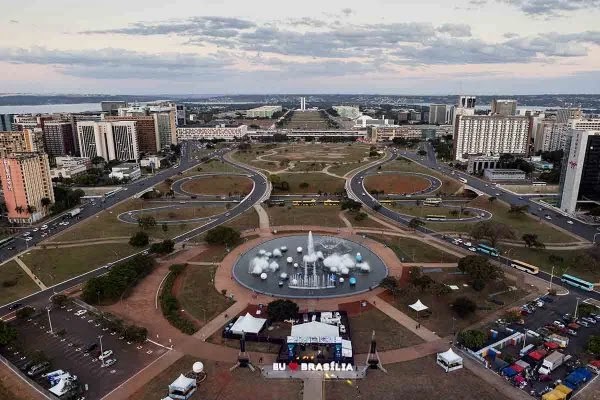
(401, 183)
(309, 266)
(209, 185)
(175, 213)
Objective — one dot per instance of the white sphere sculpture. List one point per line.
(268, 254)
(344, 271)
(295, 265)
(342, 280)
(198, 367)
(262, 252)
(294, 281)
(283, 248)
(283, 275)
(289, 260)
(299, 249)
(263, 276)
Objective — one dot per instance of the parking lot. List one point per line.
(66, 349)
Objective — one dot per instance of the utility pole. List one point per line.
(101, 350)
(49, 320)
(576, 307)
(551, 276)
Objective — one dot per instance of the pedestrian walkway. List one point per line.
(404, 320)
(313, 389)
(263, 217)
(26, 269)
(217, 323)
(345, 220)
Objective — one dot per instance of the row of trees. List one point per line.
(223, 235)
(169, 304)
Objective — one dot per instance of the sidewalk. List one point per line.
(26, 269)
(404, 319)
(263, 217)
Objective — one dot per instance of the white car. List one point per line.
(26, 234)
(473, 249)
(110, 362)
(105, 355)
(44, 227)
(66, 223)
(559, 324)
(548, 217)
(80, 313)
(468, 244)
(28, 238)
(570, 222)
(364, 194)
(35, 229)
(459, 240)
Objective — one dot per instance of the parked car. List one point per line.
(566, 317)
(582, 323)
(80, 313)
(38, 368)
(559, 324)
(569, 222)
(15, 306)
(105, 355)
(590, 320)
(91, 347)
(110, 362)
(571, 332)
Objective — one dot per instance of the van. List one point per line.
(38, 368)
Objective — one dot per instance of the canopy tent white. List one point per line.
(182, 383)
(418, 306)
(346, 348)
(247, 323)
(449, 360)
(315, 328)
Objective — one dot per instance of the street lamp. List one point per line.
(49, 320)
(551, 276)
(101, 350)
(576, 307)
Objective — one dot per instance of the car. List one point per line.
(539, 303)
(28, 238)
(11, 248)
(566, 317)
(80, 313)
(590, 320)
(38, 368)
(539, 208)
(582, 323)
(497, 194)
(110, 362)
(35, 229)
(91, 347)
(363, 193)
(559, 324)
(473, 249)
(227, 214)
(105, 355)
(66, 223)
(520, 197)
(459, 240)
(571, 332)
(182, 202)
(468, 244)
(25, 234)
(15, 306)
(570, 222)
(548, 217)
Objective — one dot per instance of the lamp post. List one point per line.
(576, 307)
(49, 320)
(101, 350)
(551, 276)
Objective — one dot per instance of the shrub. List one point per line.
(170, 306)
(60, 300)
(25, 312)
(9, 283)
(139, 239)
(223, 235)
(280, 310)
(472, 339)
(165, 247)
(463, 306)
(478, 285)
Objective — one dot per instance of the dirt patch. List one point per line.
(218, 185)
(396, 183)
(213, 253)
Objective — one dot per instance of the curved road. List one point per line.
(259, 193)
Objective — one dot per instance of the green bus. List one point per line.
(488, 250)
(577, 282)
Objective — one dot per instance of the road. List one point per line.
(187, 161)
(356, 191)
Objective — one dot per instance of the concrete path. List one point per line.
(201, 263)
(217, 323)
(26, 269)
(313, 389)
(404, 320)
(263, 217)
(345, 220)
(87, 241)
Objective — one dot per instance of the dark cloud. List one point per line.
(552, 8)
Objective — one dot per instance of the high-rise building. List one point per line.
(490, 135)
(565, 114)
(6, 122)
(166, 127)
(58, 138)
(29, 140)
(147, 134)
(466, 101)
(112, 107)
(403, 116)
(26, 181)
(580, 173)
(111, 140)
(504, 107)
(181, 119)
(85, 116)
(437, 114)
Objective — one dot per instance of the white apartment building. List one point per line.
(210, 133)
(111, 140)
(550, 135)
(489, 135)
(263, 111)
(437, 114)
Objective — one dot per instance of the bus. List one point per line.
(331, 202)
(6, 241)
(463, 180)
(520, 265)
(539, 183)
(312, 202)
(435, 217)
(488, 250)
(432, 201)
(386, 201)
(577, 282)
(111, 193)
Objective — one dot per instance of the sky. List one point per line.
(394, 47)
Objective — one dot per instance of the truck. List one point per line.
(74, 212)
(562, 341)
(551, 362)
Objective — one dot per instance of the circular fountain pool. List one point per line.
(309, 266)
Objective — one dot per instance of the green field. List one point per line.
(53, 266)
(305, 215)
(198, 295)
(15, 283)
(413, 250)
(316, 182)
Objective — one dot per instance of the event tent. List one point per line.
(418, 306)
(182, 388)
(248, 324)
(449, 360)
(315, 329)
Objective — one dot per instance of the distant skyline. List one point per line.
(238, 47)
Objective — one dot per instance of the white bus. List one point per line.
(520, 265)
(463, 180)
(539, 183)
(432, 201)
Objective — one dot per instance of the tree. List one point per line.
(96, 161)
(281, 310)
(25, 312)
(351, 205)
(223, 235)
(139, 239)
(492, 199)
(7, 333)
(146, 222)
(472, 339)
(31, 209)
(518, 210)
(492, 231)
(165, 227)
(284, 185)
(45, 202)
(585, 309)
(593, 344)
(463, 306)
(389, 283)
(479, 268)
(415, 223)
(164, 247)
(60, 299)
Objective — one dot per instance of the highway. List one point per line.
(259, 193)
(356, 191)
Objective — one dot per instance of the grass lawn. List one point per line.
(212, 165)
(213, 253)
(388, 333)
(316, 182)
(520, 224)
(53, 266)
(420, 379)
(413, 250)
(198, 295)
(218, 185)
(564, 261)
(342, 169)
(396, 183)
(526, 189)
(449, 186)
(15, 283)
(305, 215)
(365, 223)
(221, 383)
(183, 212)
(410, 208)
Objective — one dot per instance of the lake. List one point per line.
(50, 108)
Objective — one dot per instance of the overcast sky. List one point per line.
(308, 46)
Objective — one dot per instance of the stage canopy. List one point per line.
(247, 323)
(449, 360)
(418, 306)
(315, 328)
(182, 384)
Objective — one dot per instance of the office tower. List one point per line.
(147, 134)
(415, 116)
(549, 135)
(580, 173)
(403, 116)
(180, 109)
(449, 114)
(466, 101)
(302, 103)
(166, 127)
(490, 135)
(85, 116)
(504, 107)
(565, 114)
(437, 114)
(21, 142)
(26, 181)
(111, 140)
(58, 138)
(6, 122)
(112, 107)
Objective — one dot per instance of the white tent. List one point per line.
(449, 360)
(248, 324)
(315, 328)
(346, 348)
(182, 383)
(418, 306)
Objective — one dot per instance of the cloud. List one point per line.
(456, 30)
(552, 8)
(347, 11)
(13, 21)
